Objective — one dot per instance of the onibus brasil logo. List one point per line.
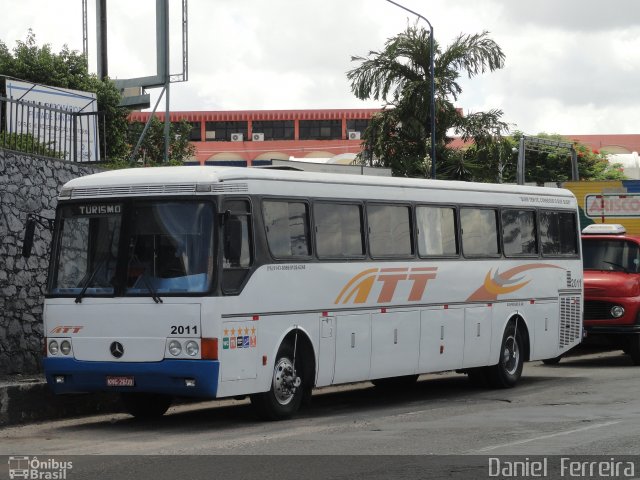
(33, 468)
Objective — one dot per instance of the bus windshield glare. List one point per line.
(167, 248)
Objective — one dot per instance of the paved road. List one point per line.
(586, 405)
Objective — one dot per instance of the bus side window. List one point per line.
(287, 227)
(519, 232)
(479, 232)
(236, 245)
(558, 233)
(234, 240)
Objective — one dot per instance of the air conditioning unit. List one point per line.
(258, 137)
(210, 135)
(354, 135)
(237, 137)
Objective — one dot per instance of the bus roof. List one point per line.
(192, 176)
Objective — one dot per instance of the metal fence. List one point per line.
(62, 133)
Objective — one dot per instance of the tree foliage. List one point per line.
(497, 162)
(399, 136)
(399, 75)
(151, 151)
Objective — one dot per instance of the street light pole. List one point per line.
(433, 89)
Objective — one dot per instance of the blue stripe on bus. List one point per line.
(165, 377)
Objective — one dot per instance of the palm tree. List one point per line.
(399, 76)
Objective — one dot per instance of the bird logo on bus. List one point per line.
(496, 283)
(358, 289)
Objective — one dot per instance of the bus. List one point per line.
(215, 282)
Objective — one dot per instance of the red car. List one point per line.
(612, 287)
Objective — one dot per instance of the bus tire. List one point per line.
(633, 349)
(146, 406)
(283, 399)
(507, 372)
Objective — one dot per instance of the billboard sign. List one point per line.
(54, 128)
(612, 205)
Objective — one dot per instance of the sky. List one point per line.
(572, 66)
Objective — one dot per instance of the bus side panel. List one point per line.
(353, 348)
(271, 331)
(477, 335)
(546, 328)
(441, 339)
(239, 349)
(326, 351)
(395, 343)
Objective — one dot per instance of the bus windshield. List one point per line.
(620, 255)
(136, 248)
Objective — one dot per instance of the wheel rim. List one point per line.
(511, 356)
(283, 379)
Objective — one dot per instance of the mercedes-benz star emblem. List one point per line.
(117, 350)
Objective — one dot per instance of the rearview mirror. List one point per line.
(27, 242)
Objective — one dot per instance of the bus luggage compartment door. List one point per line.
(353, 348)
(477, 336)
(395, 343)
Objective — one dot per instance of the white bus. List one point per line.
(224, 282)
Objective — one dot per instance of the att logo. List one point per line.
(66, 329)
(358, 289)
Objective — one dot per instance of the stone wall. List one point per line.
(27, 185)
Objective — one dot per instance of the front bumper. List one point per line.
(612, 329)
(164, 377)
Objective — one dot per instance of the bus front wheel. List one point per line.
(284, 397)
(507, 371)
(146, 406)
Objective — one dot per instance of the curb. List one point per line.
(30, 400)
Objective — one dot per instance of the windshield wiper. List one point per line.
(95, 271)
(149, 285)
(617, 265)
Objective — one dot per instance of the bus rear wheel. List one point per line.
(284, 397)
(507, 372)
(146, 406)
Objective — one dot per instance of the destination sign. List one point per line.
(97, 209)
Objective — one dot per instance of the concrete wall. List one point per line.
(27, 185)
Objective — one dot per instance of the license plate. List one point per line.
(120, 382)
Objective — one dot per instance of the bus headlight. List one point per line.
(191, 348)
(65, 347)
(175, 348)
(53, 347)
(617, 311)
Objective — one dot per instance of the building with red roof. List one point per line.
(254, 137)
